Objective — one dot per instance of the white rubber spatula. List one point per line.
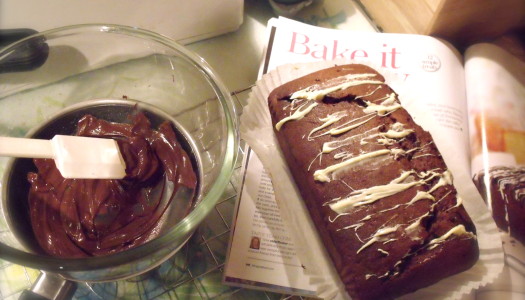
(75, 156)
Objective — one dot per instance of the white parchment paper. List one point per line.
(256, 130)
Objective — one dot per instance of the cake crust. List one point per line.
(375, 185)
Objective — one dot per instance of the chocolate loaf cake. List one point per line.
(373, 181)
(505, 196)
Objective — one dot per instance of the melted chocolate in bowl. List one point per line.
(160, 201)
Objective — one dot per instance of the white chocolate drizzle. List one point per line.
(459, 201)
(422, 155)
(368, 276)
(458, 230)
(313, 93)
(328, 120)
(368, 217)
(396, 132)
(343, 155)
(397, 152)
(333, 145)
(371, 93)
(421, 195)
(383, 251)
(412, 227)
(342, 129)
(445, 179)
(353, 226)
(375, 193)
(385, 107)
(302, 111)
(378, 236)
(324, 175)
(335, 218)
(320, 156)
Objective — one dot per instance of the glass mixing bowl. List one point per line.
(48, 73)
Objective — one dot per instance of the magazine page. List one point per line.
(261, 252)
(495, 82)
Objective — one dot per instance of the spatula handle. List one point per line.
(29, 148)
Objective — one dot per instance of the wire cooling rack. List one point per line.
(195, 272)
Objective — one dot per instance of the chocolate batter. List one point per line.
(93, 217)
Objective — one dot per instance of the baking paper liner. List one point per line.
(257, 131)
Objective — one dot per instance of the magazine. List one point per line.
(431, 76)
